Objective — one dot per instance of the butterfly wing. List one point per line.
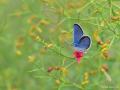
(78, 33)
(84, 43)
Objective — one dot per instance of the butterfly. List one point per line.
(80, 42)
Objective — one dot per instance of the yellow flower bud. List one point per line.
(50, 45)
(64, 71)
(97, 38)
(44, 22)
(18, 52)
(85, 82)
(31, 58)
(57, 81)
(104, 45)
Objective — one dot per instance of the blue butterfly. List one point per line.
(81, 42)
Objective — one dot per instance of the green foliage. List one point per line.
(36, 50)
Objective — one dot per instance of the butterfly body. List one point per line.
(81, 42)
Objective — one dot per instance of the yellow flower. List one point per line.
(20, 42)
(104, 50)
(85, 82)
(104, 45)
(97, 38)
(115, 18)
(117, 12)
(37, 38)
(64, 71)
(34, 34)
(86, 76)
(38, 29)
(57, 81)
(49, 45)
(43, 22)
(18, 52)
(105, 53)
(31, 19)
(31, 58)
(102, 23)
(93, 72)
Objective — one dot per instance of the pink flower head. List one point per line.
(78, 55)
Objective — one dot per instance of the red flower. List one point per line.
(78, 55)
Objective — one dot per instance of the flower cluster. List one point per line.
(104, 45)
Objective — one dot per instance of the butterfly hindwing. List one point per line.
(84, 43)
(78, 33)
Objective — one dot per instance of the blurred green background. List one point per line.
(36, 45)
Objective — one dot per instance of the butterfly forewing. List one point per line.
(78, 33)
